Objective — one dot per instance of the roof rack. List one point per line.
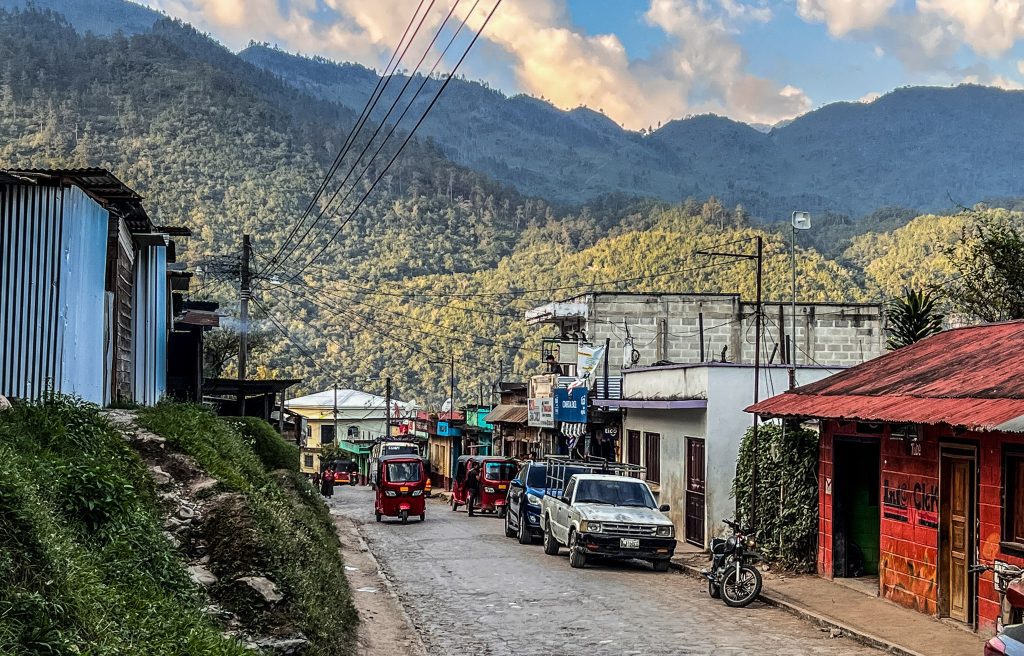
(560, 468)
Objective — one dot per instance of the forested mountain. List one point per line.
(228, 144)
(101, 17)
(914, 147)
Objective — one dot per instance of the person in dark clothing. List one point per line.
(327, 486)
(552, 364)
(472, 488)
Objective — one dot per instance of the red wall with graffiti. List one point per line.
(910, 519)
(825, 501)
(990, 522)
(909, 525)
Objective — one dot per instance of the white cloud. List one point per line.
(702, 68)
(845, 16)
(990, 27)
(870, 97)
(1020, 66)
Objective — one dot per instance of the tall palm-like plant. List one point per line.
(912, 317)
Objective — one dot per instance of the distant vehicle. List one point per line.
(346, 472)
(496, 473)
(604, 515)
(526, 490)
(400, 488)
(389, 448)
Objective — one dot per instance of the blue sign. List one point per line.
(571, 404)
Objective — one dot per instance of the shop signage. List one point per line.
(540, 412)
(571, 405)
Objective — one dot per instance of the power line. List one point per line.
(381, 124)
(364, 115)
(401, 148)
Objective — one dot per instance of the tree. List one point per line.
(221, 346)
(912, 317)
(989, 263)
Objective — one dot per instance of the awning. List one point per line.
(573, 429)
(507, 414)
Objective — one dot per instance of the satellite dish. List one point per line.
(801, 220)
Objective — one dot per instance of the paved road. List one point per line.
(470, 590)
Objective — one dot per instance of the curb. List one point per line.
(784, 603)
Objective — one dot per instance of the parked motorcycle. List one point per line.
(733, 577)
(1009, 583)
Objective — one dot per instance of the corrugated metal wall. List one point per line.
(150, 314)
(52, 273)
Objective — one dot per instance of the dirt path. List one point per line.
(385, 628)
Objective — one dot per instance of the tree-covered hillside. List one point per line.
(914, 147)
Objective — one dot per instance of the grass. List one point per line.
(84, 567)
(275, 525)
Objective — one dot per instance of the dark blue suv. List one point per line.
(522, 515)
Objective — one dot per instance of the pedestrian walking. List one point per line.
(327, 486)
(472, 488)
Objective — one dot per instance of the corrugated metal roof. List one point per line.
(507, 414)
(971, 377)
(103, 186)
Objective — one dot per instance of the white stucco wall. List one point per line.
(728, 390)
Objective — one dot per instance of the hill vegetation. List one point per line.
(228, 144)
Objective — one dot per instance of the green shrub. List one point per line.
(786, 521)
(276, 526)
(84, 566)
(271, 449)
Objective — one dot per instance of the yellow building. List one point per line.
(352, 419)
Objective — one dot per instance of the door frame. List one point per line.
(839, 481)
(959, 451)
(700, 541)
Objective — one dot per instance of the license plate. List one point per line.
(629, 543)
(403, 489)
(502, 487)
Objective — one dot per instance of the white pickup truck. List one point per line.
(607, 516)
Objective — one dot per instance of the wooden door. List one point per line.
(695, 484)
(956, 539)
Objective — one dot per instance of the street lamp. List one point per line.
(800, 221)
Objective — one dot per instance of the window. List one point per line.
(537, 476)
(499, 471)
(569, 489)
(353, 433)
(615, 492)
(404, 472)
(633, 447)
(652, 456)
(1013, 496)
(307, 461)
(327, 434)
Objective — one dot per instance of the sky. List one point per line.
(646, 62)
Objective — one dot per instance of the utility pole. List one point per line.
(335, 412)
(387, 408)
(799, 221)
(758, 257)
(244, 293)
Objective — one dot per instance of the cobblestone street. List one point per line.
(470, 590)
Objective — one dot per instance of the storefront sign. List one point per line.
(540, 412)
(571, 405)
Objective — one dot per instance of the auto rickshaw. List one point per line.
(346, 472)
(494, 476)
(400, 487)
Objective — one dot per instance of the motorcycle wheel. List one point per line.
(405, 516)
(509, 531)
(713, 590)
(740, 590)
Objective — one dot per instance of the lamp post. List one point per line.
(800, 221)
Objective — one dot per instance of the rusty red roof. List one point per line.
(971, 377)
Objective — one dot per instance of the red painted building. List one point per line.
(921, 471)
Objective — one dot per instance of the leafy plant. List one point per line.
(912, 317)
(989, 261)
(786, 518)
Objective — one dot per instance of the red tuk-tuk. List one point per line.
(494, 473)
(401, 481)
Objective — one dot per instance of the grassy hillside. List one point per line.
(84, 566)
(88, 562)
